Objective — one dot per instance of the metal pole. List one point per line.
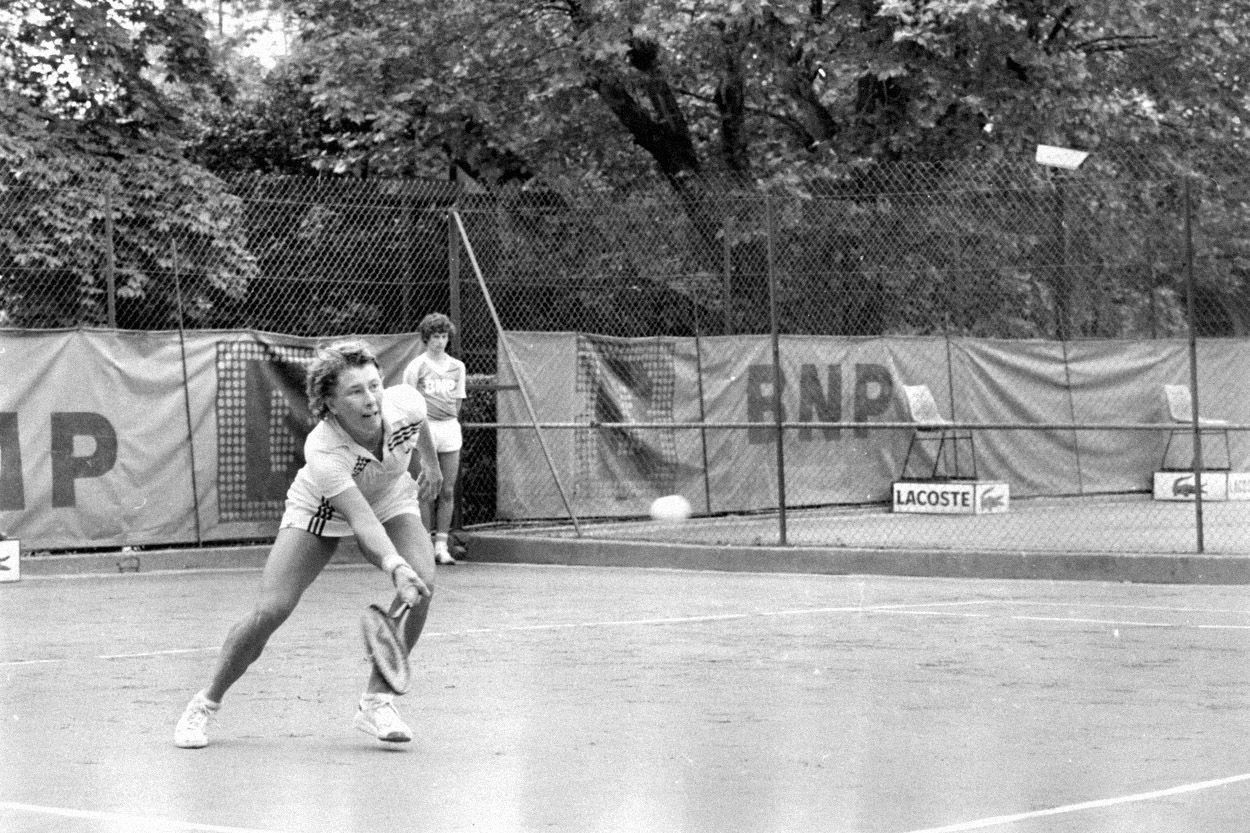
(1063, 280)
(698, 370)
(778, 417)
(950, 388)
(453, 281)
(727, 290)
(1198, 464)
(516, 369)
(1076, 438)
(110, 259)
(186, 389)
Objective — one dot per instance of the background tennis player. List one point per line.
(441, 379)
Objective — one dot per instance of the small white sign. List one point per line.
(10, 560)
(1239, 485)
(1180, 485)
(952, 498)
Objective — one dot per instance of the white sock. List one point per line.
(211, 705)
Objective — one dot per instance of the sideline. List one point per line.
(130, 822)
(995, 821)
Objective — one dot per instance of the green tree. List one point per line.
(826, 99)
(614, 88)
(101, 209)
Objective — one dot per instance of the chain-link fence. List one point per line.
(1124, 248)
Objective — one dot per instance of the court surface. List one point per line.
(570, 699)
(1130, 524)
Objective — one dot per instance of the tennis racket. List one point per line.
(384, 644)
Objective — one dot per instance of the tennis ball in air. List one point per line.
(670, 508)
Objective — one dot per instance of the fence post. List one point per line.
(405, 317)
(1198, 462)
(1063, 280)
(728, 276)
(110, 258)
(186, 388)
(777, 377)
(453, 273)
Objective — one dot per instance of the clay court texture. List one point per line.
(643, 697)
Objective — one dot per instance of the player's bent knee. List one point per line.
(426, 574)
(270, 615)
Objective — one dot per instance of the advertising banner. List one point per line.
(131, 438)
(576, 381)
(116, 438)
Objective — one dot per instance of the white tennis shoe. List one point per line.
(377, 716)
(192, 729)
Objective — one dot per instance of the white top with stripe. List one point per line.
(334, 462)
(440, 387)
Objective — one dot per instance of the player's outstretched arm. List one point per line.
(377, 546)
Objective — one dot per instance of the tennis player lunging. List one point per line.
(357, 479)
(441, 379)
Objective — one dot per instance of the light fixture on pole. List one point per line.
(1057, 157)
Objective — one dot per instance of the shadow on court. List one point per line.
(598, 699)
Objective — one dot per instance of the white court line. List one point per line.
(672, 620)
(619, 623)
(165, 653)
(1122, 623)
(1081, 620)
(899, 609)
(996, 821)
(1073, 605)
(882, 608)
(130, 822)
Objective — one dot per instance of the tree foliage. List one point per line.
(810, 98)
(100, 98)
(817, 96)
(614, 88)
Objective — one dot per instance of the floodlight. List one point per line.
(1057, 157)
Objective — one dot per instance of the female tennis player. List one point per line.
(441, 379)
(357, 479)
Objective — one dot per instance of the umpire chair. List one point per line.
(935, 432)
(1180, 409)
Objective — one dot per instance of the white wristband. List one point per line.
(392, 563)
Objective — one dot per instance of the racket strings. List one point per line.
(385, 648)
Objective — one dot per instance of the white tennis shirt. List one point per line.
(334, 462)
(440, 386)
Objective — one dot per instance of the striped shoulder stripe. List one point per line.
(361, 464)
(324, 513)
(403, 434)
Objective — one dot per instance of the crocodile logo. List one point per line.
(992, 499)
(1184, 487)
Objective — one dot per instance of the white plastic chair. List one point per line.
(1181, 411)
(932, 427)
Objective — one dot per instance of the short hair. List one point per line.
(323, 373)
(435, 323)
